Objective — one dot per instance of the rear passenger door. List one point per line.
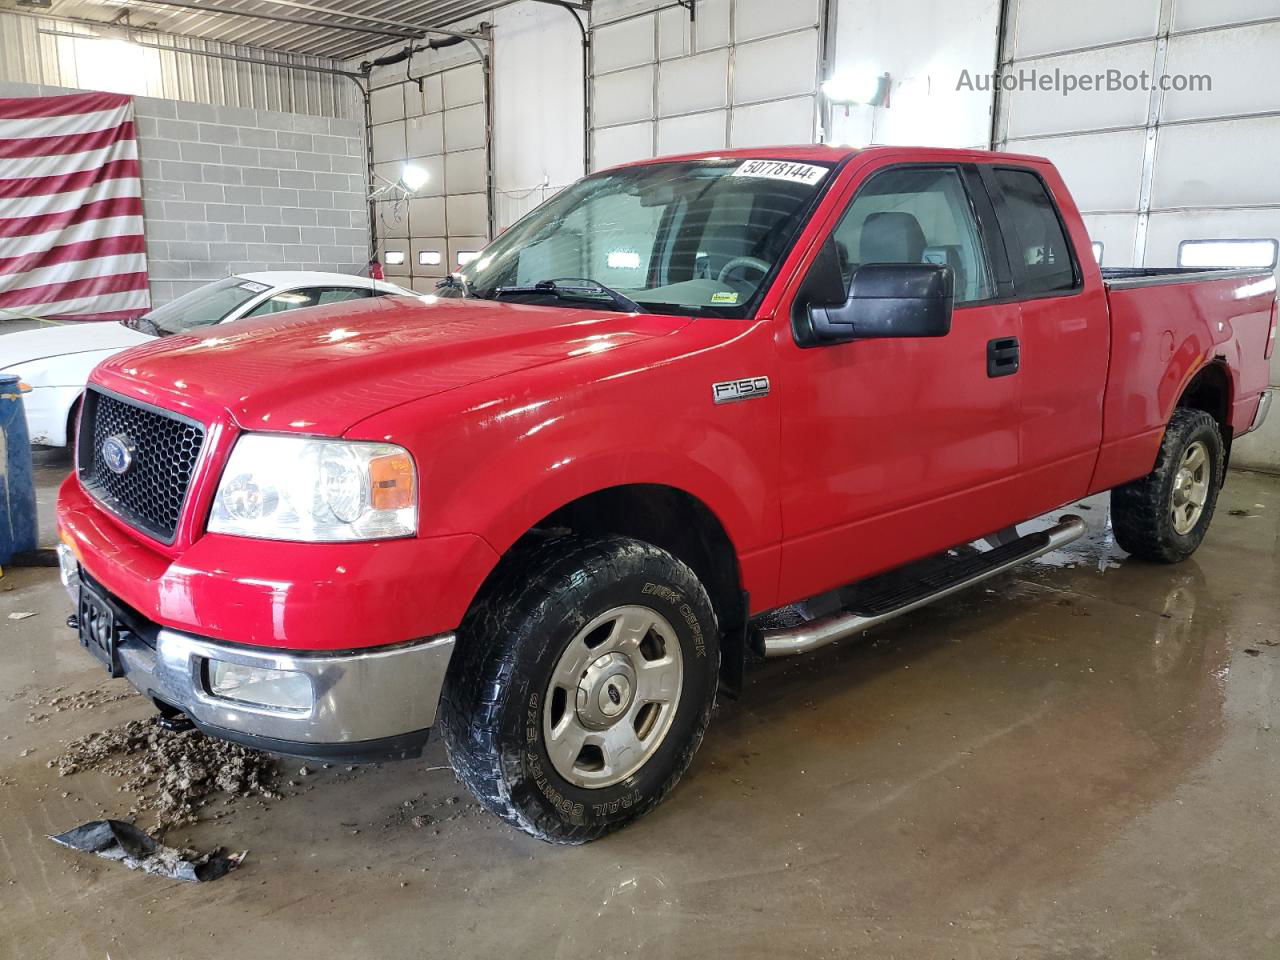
(1065, 344)
(894, 449)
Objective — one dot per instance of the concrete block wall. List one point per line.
(233, 190)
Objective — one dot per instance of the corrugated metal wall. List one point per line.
(44, 51)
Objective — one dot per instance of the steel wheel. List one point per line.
(1191, 488)
(612, 696)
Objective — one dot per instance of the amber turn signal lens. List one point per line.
(391, 482)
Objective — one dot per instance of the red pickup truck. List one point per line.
(546, 512)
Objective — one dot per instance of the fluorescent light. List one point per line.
(414, 177)
(624, 260)
(429, 258)
(395, 258)
(1098, 247)
(1228, 253)
(467, 256)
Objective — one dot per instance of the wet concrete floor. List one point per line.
(1080, 760)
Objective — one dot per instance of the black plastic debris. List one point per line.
(117, 840)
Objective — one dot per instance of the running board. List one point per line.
(954, 575)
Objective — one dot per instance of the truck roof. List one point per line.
(821, 153)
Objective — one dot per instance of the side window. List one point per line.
(916, 215)
(1039, 240)
(338, 294)
(285, 300)
(306, 297)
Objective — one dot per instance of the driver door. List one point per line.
(896, 449)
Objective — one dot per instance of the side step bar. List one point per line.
(955, 575)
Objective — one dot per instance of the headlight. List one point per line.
(297, 488)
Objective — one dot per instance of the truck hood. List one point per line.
(324, 369)
(65, 339)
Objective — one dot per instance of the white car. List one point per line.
(55, 361)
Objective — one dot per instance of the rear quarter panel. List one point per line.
(1162, 336)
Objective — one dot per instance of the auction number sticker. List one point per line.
(806, 173)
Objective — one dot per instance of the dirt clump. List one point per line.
(172, 775)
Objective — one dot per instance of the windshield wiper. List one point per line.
(573, 289)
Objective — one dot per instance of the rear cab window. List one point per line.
(1044, 260)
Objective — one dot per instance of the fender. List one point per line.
(637, 415)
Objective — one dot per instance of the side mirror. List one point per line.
(888, 301)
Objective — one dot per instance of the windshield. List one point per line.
(696, 237)
(201, 307)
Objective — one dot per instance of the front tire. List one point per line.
(1164, 516)
(582, 686)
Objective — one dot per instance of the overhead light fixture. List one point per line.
(412, 179)
(858, 87)
(395, 258)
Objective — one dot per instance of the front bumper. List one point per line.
(366, 705)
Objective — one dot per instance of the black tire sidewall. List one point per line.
(1205, 430)
(533, 783)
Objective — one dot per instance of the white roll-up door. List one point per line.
(1153, 168)
(740, 73)
(443, 129)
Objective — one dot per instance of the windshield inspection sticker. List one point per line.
(724, 298)
(253, 287)
(782, 170)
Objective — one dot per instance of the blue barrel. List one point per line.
(18, 530)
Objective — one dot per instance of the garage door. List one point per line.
(741, 73)
(1157, 172)
(441, 128)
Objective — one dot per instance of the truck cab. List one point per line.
(547, 512)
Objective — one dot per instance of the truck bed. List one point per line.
(1124, 278)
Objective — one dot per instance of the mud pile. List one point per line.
(172, 776)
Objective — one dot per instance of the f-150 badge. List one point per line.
(730, 391)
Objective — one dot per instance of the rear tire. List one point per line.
(1164, 516)
(582, 686)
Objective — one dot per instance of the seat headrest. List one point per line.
(891, 237)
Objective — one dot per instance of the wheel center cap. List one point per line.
(605, 691)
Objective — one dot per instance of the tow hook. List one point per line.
(174, 721)
(175, 724)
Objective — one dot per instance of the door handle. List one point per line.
(1004, 357)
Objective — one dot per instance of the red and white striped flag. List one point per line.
(71, 229)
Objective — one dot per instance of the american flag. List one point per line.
(71, 230)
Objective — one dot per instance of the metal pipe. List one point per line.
(217, 55)
(1003, 32)
(133, 34)
(788, 641)
(400, 32)
(572, 9)
(316, 8)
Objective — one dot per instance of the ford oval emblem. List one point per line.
(117, 453)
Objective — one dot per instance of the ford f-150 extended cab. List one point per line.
(547, 512)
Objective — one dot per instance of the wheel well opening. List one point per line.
(668, 518)
(1210, 391)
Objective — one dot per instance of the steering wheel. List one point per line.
(754, 263)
